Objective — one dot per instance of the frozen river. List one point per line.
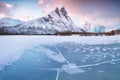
(59, 58)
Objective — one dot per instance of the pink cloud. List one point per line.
(42, 2)
(5, 8)
(2, 15)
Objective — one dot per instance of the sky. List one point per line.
(103, 12)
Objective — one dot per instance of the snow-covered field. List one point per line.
(61, 55)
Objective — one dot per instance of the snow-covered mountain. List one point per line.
(7, 22)
(57, 21)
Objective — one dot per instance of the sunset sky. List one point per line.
(104, 12)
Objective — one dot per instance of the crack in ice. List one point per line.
(57, 76)
(82, 66)
(62, 56)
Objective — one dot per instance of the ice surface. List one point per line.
(74, 54)
(11, 47)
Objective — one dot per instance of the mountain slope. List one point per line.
(7, 22)
(56, 21)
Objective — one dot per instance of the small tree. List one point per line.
(86, 27)
(99, 29)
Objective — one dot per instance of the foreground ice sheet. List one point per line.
(61, 56)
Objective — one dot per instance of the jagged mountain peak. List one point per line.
(63, 10)
(60, 13)
(57, 11)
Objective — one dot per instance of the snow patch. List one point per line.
(101, 71)
(72, 69)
